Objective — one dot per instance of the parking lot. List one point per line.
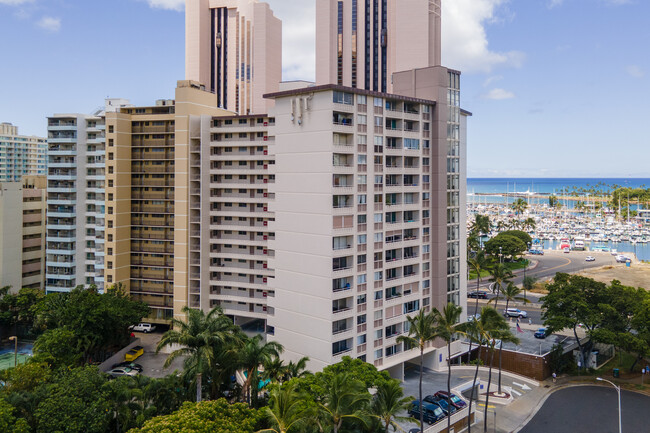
(152, 362)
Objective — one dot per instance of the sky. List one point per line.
(557, 88)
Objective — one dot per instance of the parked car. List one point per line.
(442, 402)
(614, 252)
(143, 327)
(515, 312)
(134, 353)
(567, 250)
(473, 317)
(431, 412)
(123, 371)
(455, 400)
(131, 365)
(621, 259)
(478, 294)
(415, 430)
(542, 333)
(590, 259)
(537, 252)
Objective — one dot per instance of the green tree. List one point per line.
(500, 276)
(200, 339)
(528, 283)
(388, 402)
(215, 416)
(345, 399)
(421, 331)
(298, 368)
(495, 335)
(553, 202)
(53, 347)
(505, 246)
(480, 331)
(287, 410)
(447, 327)
(254, 354)
(9, 422)
(73, 403)
(521, 235)
(519, 206)
(529, 223)
(573, 301)
(18, 310)
(511, 294)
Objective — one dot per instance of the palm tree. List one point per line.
(477, 264)
(198, 338)
(503, 335)
(519, 206)
(297, 369)
(388, 402)
(421, 331)
(511, 294)
(253, 354)
(344, 398)
(528, 283)
(275, 370)
(286, 409)
(501, 275)
(447, 327)
(478, 330)
(529, 223)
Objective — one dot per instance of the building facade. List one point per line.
(361, 43)
(148, 189)
(76, 196)
(20, 155)
(234, 48)
(367, 226)
(22, 233)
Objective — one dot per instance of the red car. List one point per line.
(456, 401)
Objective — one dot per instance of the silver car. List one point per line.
(515, 312)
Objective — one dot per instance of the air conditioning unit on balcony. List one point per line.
(266, 138)
(266, 152)
(266, 123)
(265, 223)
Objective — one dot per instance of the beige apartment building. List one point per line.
(22, 233)
(234, 47)
(20, 155)
(362, 43)
(148, 185)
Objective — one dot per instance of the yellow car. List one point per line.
(134, 353)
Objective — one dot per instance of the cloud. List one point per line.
(14, 2)
(464, 38)
(298, 38)
(635, 71)
(492, 79)
(554, 3)
(50, 24)
(174, 5)
(499, 94)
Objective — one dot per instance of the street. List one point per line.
(548, 265)
(590, 409)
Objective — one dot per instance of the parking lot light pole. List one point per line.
(618, 390)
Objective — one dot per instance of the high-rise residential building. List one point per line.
(234, 48)
(151, 174)
(233, 243)
(366, 222)
(75, 201)
(361, 43)
(22, 233)
(20, 155)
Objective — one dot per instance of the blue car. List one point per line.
(432, 412)
(442, 402)
(542, 333)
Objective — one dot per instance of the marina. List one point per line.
(557, 229)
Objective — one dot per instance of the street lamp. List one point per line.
(618, 390)
(15, 340)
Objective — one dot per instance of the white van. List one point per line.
(144, 327)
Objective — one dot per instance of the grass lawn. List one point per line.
(623, 361)
(513, 266)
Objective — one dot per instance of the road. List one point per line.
(590, 409)
(548, 265)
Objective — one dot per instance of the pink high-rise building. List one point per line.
(234, 48)
(361, 43)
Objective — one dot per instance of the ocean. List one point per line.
(549, 185)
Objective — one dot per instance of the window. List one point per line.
(362, 179)
(362, 239)
(379, 217)
(361, 259)
(379, 102)
(362, 199)
(412, 306)
(342, 98)
(361, 319)
(379, 237)
(362, 120)
(362, 159)
(361, 219)
(378, 275)
(361, 299)
(361, 339)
